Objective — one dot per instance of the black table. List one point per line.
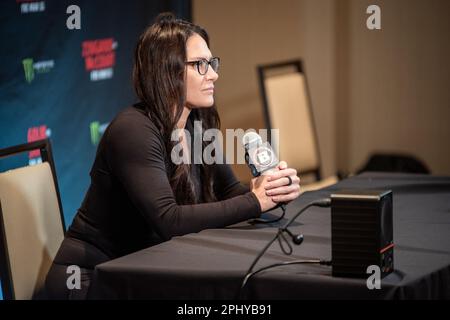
(212, 263)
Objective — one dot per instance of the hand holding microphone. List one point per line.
(275, 182)
(283, 185)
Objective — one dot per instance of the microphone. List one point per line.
(262, 160)
(259, 156)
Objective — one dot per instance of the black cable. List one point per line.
(276, 236)
(280, 264)
(326, 202)
(282, 238)
(323, 203)
(261, 220)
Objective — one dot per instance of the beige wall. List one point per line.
(251, 32)
(398, 83)
(371, 90)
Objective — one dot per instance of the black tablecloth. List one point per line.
(211, 264)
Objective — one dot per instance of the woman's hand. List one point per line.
(278, 186)
(257, 186)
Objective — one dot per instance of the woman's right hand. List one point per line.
(257, 187)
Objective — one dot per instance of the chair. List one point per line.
(31, 222)
(287, 107)
(394, 162)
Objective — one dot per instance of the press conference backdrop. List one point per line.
(68, 84)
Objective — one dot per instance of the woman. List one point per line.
(138, 197)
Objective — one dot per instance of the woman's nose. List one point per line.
(211, 74)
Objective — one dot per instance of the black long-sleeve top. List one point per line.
(130, 204)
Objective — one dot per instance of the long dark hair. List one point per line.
(159, 82)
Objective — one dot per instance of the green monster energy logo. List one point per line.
(95, 132)
(29, 69)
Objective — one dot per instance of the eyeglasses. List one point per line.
(203, 64)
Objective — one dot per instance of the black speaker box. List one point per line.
(361, 232)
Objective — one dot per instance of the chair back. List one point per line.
(31, 226)
(287, 107)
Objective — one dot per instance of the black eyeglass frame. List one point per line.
(208, 63)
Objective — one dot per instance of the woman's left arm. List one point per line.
(226, 185)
